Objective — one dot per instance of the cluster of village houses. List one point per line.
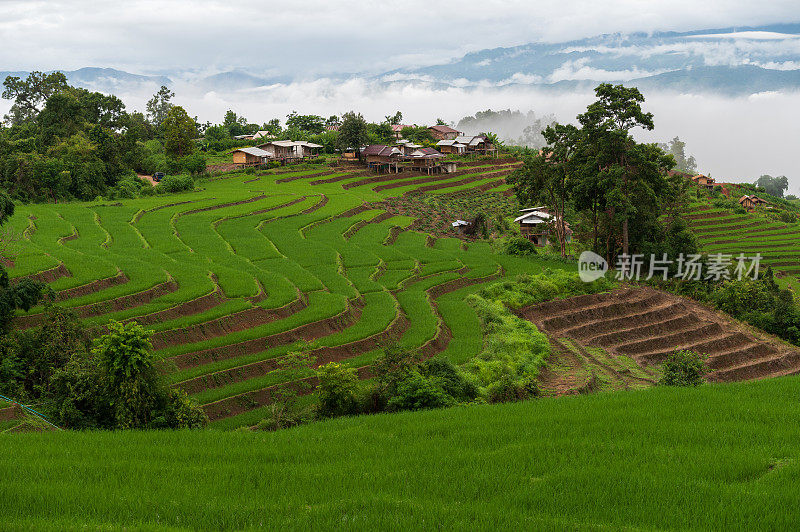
(747, 201)
(380, 157)
(534, 222)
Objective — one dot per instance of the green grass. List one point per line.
(717, 457)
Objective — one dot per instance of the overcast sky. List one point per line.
(318, 36)
(733, 138)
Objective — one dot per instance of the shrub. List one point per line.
(519, 246)
(194, 163)
(127, 188)
(338, 390)
(153, 163)
(508, 389)
(787, 217)
(514, 348)
(415, 392)
(683, 368)
(452, 380)
(176, 183)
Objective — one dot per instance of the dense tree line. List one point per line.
(63, 142)
(617, 194)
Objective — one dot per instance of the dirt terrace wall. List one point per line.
(308, 332)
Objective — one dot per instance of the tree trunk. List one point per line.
(624, 241)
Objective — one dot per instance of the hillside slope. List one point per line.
(646, 325)
(720, 456)
(233, 276)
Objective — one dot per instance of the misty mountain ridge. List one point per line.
(732, 61)
(729, 60)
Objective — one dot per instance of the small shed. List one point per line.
(747, 202)
(451, 146)
(249, 156)
(382, 157)
(442, 132)
(477, 144)
(407, 147)
(460, 226)
(703, 181)
(425, 160)
(279, 149)
(307, 149)
(534, 224)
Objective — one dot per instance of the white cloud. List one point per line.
(308, 37)
(580, 70)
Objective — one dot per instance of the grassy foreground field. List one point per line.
(717, 457)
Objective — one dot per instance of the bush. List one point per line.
(176, 183)
(683, 368)
(453, 381)
(127, 188)
(519, 246)
(156, 162)
(787, 217)
(508, 389)
(415, 392)
(338, 391)
(194, 163)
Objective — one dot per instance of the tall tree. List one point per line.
(305, 123)
(395, 119)
(159, 105)
(180, 131)
(352, 132)
(30, 94)
(677, 148)
(235, 124)
(773, 185)
(606, 126)
(545, 177)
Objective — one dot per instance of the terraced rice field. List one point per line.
(722, 231)
(618, 337)
(232, 277)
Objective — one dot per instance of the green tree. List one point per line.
(159, 105)
(23, 294)
(546, 176)
(419, 135)
(30, 94)
(395, 119)
(81, 171)
(236, 125)
(273, 126)
(136, 390)
(606, 128)
(180, 131)
(380, 133)
(352, 132)
(775, 186)
(305, 123)
(337, 390)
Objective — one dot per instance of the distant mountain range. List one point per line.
(728, 60)
(733, 61)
